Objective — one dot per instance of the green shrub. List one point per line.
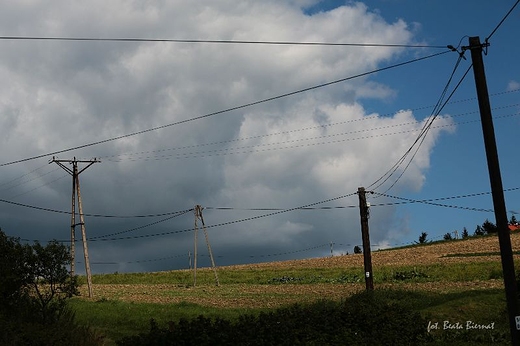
(372, 318)
(63, 331)
(408, 275)
(384, 317)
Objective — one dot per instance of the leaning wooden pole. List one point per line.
(196, 231)
(209, 246)
(497, 190)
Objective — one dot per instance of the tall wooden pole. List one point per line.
(84, 239)
(209, 246)
(198, 215)
(196, 231)
(74, 172)
(73, 228)
(367, 254)
(497, 191)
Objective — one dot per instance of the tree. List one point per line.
(34, 281)
(448, 236)
(357, 249)
(465, 234)
(49, 279)
(479, 231)
(489, 227)
(422, 238)
(13, 274)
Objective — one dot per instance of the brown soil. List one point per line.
(425, 254)
(265, 296)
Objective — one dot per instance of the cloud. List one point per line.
(513, 85)
(289, 152)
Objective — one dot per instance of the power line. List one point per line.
(144, 226)
(201, 41)
(250, 104)
(420, 138)
(26, 181)
(22, 176)
(268, 146)
(226, 223)
(501, 22)
(183, 255)
(177, 213)
(39, 187)
(432, 201)
(275, 209)
(90, 215)
(306, 207)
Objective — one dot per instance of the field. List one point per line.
(462, 277)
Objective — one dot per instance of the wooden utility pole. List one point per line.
(74, 172)
(367, 254)
(198, 216)
(497, 191)
(196, 231)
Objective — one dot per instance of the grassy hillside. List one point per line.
(458, 281)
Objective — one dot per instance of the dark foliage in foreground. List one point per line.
(34, 288)
(364, 319)
(62, 331)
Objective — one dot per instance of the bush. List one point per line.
(34, 282)
(64, 331)
(322, 323)
(383, 318)
(34, 287)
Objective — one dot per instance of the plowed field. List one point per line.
(273, 295)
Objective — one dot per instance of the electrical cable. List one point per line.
(160, 40)
(87, 214)
(250, 104)
(430, 201)
(224, 223)
(420, 138)
(132, 156)
(407, 201)
(141, 227)
(265, 147)
(39, 187)
(275, 209)
(501, 22)
(21, 177)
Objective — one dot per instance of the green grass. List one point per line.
(117, 319)
(449, 272)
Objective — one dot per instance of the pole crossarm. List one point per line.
(74, 162)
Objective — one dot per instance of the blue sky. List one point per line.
(294, 151)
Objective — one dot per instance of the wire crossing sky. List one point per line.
(270, 99)
(283, 43)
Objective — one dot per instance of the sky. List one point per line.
(250, 131)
